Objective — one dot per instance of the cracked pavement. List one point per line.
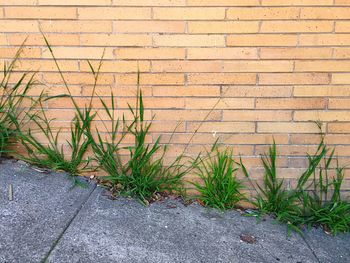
(49, 221)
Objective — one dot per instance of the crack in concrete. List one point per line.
(55, 243)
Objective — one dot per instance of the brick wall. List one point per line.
(275, 64)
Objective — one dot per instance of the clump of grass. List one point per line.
(144, 174)
(12, 97)
(316, 200)
(220, 187)
(51, 154)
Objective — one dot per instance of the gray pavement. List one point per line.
(49, 221)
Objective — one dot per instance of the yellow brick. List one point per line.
(258, 66)
(38, 40)
(254, 139)
(188, 91)
(19, 26)
(152, 103)
(223, 27)
(324, 40)
(224, 127)
(257, 91)
(187, 115)
(115, 40)
(189, 40)
(222, 3)
(118, 66)
(273, 13)
(28, 52)
(47, 65)
(341, 78)
(25, 12)
(221, 78)
(296, 2)
(339, 104)
(321, 116)
(186, 66)
(150, 26)
(295, 53)
(77, 78)
(79, 52)
(342, 26)
(321, 91)
(222, 53)
(76, 26)
(150, 79)
(262, 40)
(70, 2)
(294, 78)
(117, 13)
(342, 53)
(150, 53)
(149, 2)
(325, 13)
(287, 127)
(216, 103)
(296, 26)
(194, 13)
(256, 115)
(339, 127)
(322, 66)
(290, 103)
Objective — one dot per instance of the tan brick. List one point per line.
(186, 66)
(296, 2)
(116, 13)
(76, 26)
(339, 103)
(324, 40)
(47, 65)
(223, 27)
(115, 40)
(3, 40)
(28, 52)
(152, 103)
(321, 91)
(150, 79)
(18, 2)
(294, 78)
(194, 13)
(150, 53)
(221, 78)
(325, 13)
(321, 116)
(222, 53)
(38, 40)
(187, 115)
(290, 103)
(188, 91)
(339, 78)
(296, 26)
(149, 26)
(118, 66)
(295, 53)
(256, 115)
(341, 53)
(77, 78)
(262, 40)
(216, 103)
(224, 127)
(342, 26)
(342, 2)
(25, 12)
(222, 3)
(79, 52)
(257, 91)
(322, 66)
(189, 40)
(258, 66)
(259, 13)
(287, 127)
(149, 2)
(70, 2)
(254, 139)
(16, 26)
(339, 127)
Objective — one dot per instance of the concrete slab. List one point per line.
(42, 207)
(328, 248)
(125, 231)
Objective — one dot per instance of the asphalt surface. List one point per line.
(45, 219)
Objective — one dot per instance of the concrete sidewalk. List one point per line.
(48, 221)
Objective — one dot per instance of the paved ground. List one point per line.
(48, 221)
